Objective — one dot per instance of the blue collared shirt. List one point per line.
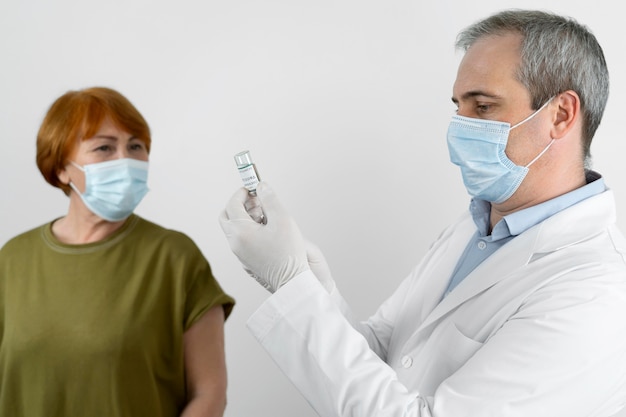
(482, 245)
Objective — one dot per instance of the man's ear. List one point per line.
(567, 113)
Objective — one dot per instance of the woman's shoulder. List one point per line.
(158, 233)
(25, 239)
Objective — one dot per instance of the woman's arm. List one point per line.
(205, 366)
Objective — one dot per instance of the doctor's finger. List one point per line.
(270, 201)
(223, 219)
(235, 207)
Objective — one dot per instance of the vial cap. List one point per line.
(243, 159)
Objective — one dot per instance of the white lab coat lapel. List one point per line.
(440, 273)
(425, 294)
(497, 267)
(546, 237)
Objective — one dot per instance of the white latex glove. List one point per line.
(271, 253)
(254, 209)
(319, 266)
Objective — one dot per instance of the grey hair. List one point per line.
(557, 54)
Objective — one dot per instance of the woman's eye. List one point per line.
(138, 146)
(104, 148)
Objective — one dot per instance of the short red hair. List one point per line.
(77, 115)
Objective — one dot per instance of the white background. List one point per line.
(343, 104)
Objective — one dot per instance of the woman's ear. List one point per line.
(63, 175)
(567, 113)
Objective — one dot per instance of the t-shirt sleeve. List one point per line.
(202, 289)
(203, 294)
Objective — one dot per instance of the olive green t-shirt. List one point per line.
(97, 329)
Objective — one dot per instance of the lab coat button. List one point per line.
(482, 245)
(407, 361)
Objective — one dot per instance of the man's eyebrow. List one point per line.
(475, 93)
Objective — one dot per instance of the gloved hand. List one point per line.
(271, 253)
(319, 266)
(254, 209)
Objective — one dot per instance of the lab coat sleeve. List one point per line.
(377, 330)
(297, 327)
(560, 354)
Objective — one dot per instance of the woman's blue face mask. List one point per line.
(113, 189)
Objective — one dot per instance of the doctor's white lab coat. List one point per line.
(538, 329)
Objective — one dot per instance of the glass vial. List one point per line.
(250, 178)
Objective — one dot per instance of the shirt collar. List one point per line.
(522, 220)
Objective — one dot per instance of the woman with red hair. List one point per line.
(103, 313)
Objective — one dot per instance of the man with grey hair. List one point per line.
(519, 307)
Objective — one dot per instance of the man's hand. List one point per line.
(271, 253)
(319, 266)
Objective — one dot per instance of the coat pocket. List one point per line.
(446, 350)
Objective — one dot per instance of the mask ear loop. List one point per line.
(77, 166)
(71, 184)
(527, 119)
(534, 114)
(541, 153)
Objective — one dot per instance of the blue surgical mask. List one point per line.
(113, 189)
(477, 147)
